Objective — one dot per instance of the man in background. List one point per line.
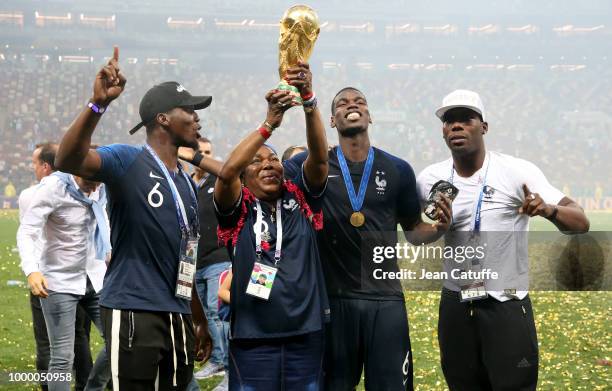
(212, 261)
(293, 151)
(43, 165)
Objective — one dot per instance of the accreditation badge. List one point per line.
(474, 291)
(261, 281)
(187, 267)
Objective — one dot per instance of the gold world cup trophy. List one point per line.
(299, 29)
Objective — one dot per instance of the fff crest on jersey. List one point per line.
(381, 182)
(290, 204)
(488, 192)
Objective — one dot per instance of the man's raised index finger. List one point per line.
(526, 191)
(116, 53)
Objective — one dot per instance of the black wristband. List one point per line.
(197, 158)
(553, 215)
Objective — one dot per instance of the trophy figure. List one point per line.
(299, 29)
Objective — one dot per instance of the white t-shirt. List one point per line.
(501, 226)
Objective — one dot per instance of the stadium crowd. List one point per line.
(553, 117)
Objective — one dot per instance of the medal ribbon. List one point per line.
(356, 200)
(478, 203)
(475, 264)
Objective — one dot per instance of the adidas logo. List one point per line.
(523, 363)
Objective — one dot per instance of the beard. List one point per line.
(192, 144)
(352, 131)
(183, 142)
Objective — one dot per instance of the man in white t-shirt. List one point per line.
(43, 165)
(486, 329)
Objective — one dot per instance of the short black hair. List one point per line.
(333, 103)
(290, 150)
(149, 126)
(47, 153)
(152, 124)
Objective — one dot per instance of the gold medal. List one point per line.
(357, 219)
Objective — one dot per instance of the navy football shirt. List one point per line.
(145, 231)
(298, 300)
(391, 196)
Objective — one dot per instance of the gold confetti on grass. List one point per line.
(573, 334)
(573, 331)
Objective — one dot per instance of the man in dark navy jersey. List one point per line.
(154, 230)
(369, 192)
(213, 260)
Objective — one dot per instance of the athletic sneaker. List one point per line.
(224, 385)
(209, 370)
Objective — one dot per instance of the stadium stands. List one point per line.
(557, 119)
(545, 78)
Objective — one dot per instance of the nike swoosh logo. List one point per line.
(154, 176)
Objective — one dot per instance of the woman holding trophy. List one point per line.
(268, 213)
(278, 298)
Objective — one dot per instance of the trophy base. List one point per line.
(293, 91)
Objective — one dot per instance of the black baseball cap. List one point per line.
(165, 97)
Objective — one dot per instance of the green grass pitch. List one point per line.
(574, 329)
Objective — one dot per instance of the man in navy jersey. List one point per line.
(213, 259)
(369, 193)
(154, 231)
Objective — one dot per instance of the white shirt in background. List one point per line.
(25, 198)
(65, 228)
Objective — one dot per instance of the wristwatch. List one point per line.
(95, 108)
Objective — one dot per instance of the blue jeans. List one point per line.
(291, 363)
(59, 310)
(207, 285)
(82, 355)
